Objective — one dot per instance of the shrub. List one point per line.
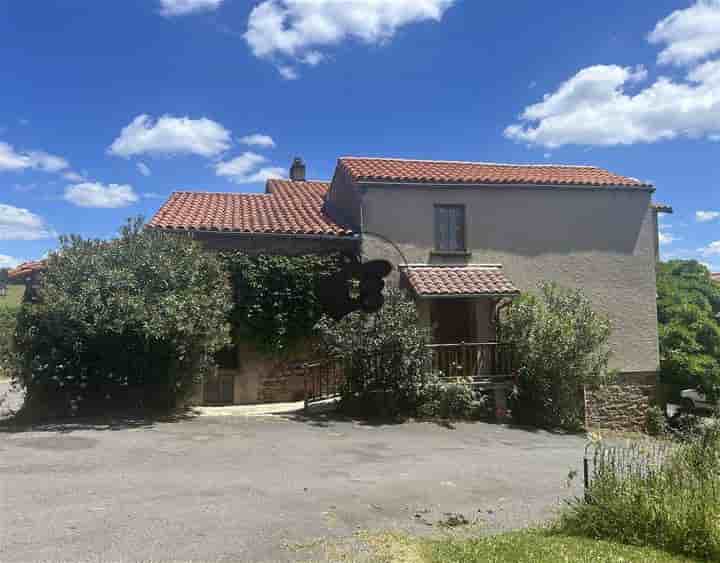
(128, 322)
(8, 321)
(276, 298)
(448, 399)
(655, 423)
(386, 356)
(560, 343)
(670, 501)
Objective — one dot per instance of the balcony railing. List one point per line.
(479, 360)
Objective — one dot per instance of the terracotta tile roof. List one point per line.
(292, 208)
(428, 281)
(26, 269)
(442, 172)
(716, 277)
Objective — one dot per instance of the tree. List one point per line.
(128, 322)
(689, 317)
(559, 343)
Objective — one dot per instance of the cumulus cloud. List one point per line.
(248, 169)
(17, 223)
(712, 249)
(13, 160)
(9, 261)
(144, 169)
(258, 140)
(606, 105)
(297, 29)
(95, 194)
(184, 7)
(171, 135)
(706, 216)
(594, 107)
(667, 238)
(689, 35)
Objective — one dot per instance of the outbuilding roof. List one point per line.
(363, 169)
(460, 281)
(288, 208)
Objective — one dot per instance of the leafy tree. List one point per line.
(128, 322)
(689, 316)
(386, 356)
(560, 343)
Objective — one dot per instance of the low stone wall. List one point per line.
(621, 404)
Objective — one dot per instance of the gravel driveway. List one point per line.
(249, 489)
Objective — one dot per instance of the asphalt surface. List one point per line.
(263, 489)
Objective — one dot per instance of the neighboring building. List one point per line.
(464, 236)
(716, 277)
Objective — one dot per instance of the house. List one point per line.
(716, 277)
(464, 236)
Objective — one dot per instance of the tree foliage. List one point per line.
(689, 316)
(129, 322)
(276, 297)
(386, 356)
(559, 343)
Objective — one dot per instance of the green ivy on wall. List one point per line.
(276, 297)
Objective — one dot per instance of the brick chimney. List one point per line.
(297, 170)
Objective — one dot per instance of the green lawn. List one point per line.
(528, 546)
(540, 547)
(13, 297)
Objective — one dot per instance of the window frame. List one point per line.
(461, 247)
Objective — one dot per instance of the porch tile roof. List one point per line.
(450, 172)
(458, 280)
(27, 269)
(289, 208)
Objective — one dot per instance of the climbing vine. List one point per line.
(276, 297)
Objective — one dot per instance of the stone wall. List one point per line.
(622, 404)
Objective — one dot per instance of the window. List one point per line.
(450, 228)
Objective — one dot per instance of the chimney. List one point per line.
(297, 170)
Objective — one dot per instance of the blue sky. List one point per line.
(107, 107)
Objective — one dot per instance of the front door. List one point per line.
(453, 321)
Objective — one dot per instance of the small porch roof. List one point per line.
(468, 280)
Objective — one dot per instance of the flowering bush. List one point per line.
(128, 322)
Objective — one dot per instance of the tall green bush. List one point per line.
(559, 343)
(386, 356)
(129, 322)
(689, 316)
(276, 297)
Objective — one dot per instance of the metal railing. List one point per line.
(487, 364)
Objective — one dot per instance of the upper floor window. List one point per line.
(450, 228)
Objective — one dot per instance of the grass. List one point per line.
(540, 547)
(13, 297)
(527, 546)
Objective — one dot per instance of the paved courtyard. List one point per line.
(259, 488)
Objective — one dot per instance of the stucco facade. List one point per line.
(600, 240)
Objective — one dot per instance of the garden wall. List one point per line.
(622, 404)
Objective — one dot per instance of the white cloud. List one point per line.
(17, 223)
(595, 108)
(706, 216)
(666, 238)
(288, 72)
(712, 249)
(258, 140)
(144, 169)
(247, 169)
(153, 195)
(295, 29)
(171, 135)
(184, 7)
(13, 160)
(9, 261)
(94, 194)
(606, 105)
(690, 35)
(73, 176)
